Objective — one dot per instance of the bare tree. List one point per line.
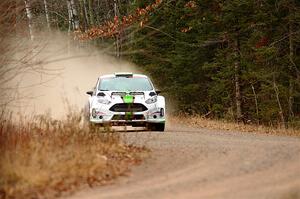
(86, 17)
(47, 14)
(17, 54)
(291, 57)
(118, 36)
(91, 12)
(84, 14)
(237, 68)
(256, 101)
(29, 17)
(73, 15)
(281, 114)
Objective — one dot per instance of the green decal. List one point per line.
(128, 99)
(128, 116)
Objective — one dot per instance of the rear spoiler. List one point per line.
(125, 93)
(128, 75)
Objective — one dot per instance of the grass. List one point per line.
(45, 158)
(199, 121)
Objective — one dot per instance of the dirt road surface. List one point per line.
(200, 163)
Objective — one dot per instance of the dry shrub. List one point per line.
(45, 158)
(199, 121)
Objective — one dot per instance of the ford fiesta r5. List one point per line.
(126, 99)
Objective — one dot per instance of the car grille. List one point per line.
(128, 117)
(127, 107)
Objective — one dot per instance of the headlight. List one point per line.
(151, 100)
(103, 101)
(94, 113)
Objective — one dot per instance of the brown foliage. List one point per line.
(191, 5)
(42, 157)
(116, 26)
(262, 42)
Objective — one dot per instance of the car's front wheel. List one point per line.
(156, 127)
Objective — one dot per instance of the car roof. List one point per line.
(115, 75)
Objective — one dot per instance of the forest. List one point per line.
(236, 60)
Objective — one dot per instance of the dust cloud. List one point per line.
(65, 72)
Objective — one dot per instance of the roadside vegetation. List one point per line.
(45, 158)
(222, 124)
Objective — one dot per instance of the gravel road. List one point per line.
(200, 163)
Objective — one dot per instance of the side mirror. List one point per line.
(90, 93)
(158, 92)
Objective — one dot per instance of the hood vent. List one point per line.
(118, 93)
(124, 93)
(136, 93)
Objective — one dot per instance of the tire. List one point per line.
(157, 127)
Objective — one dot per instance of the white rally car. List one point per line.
(126, 99)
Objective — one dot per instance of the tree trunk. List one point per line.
(291, 99)
(98, 18)
(29, 17)
(237, 68)
(47, 14)
(91, 13)
(118, 40)
(85, 6)
(279, 103)
(69, 15)
(291, 56)
(108, 7)
(73, 16)
(83, 12)
(256, 102)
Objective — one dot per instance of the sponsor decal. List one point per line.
(128, 99)
(128, 116)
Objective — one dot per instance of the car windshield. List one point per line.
(125, 84)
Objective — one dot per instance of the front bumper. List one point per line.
(153, 114)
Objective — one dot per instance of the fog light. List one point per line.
(162, 112)
(100, 117)
(154, 116)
